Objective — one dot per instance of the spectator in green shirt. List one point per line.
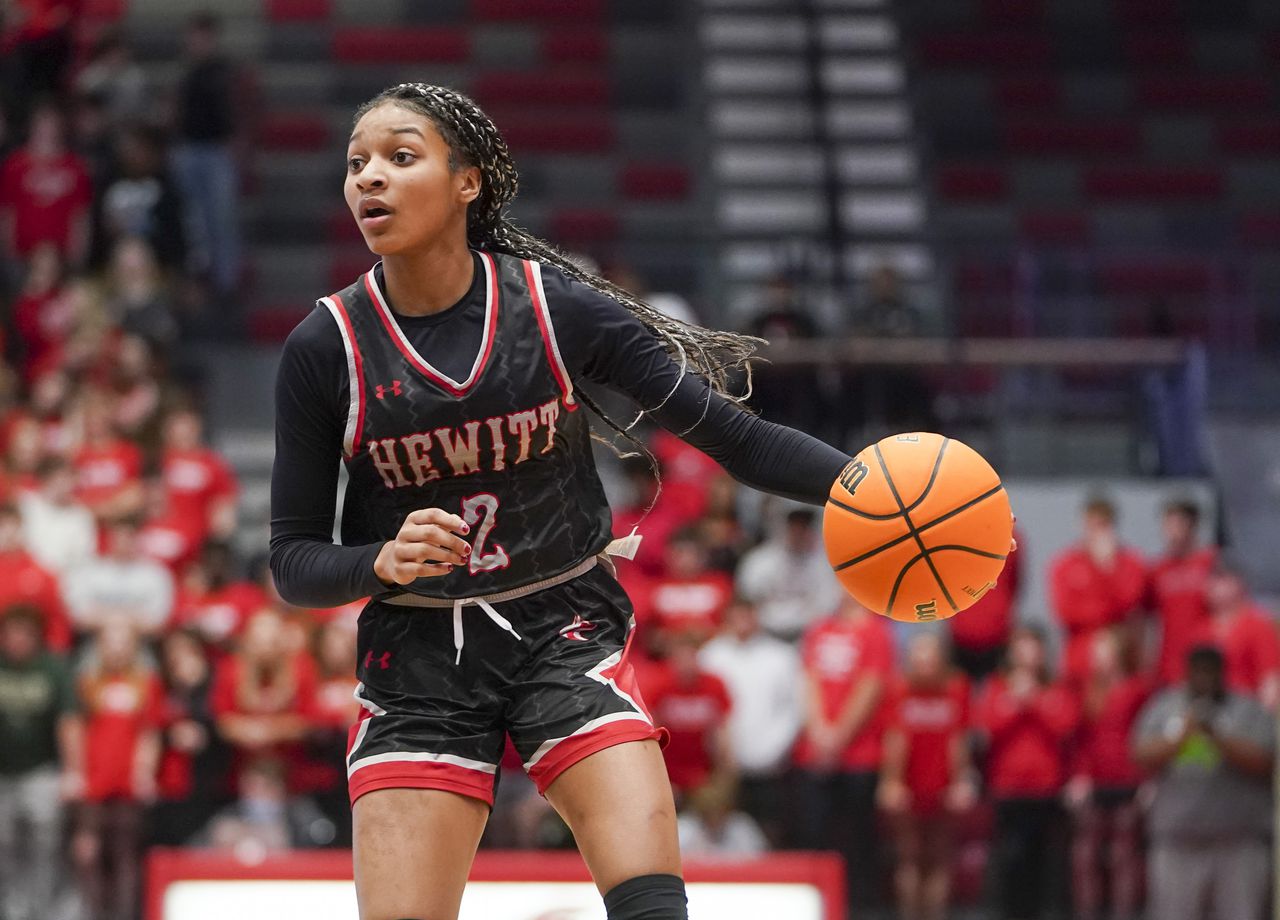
(40, 745)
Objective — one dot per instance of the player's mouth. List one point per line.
(374, 213)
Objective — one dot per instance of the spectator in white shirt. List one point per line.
(765, 681)
(711, 827)
(789, 579)
(59, 531)
(123, 584)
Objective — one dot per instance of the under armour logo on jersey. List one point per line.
(384, 660)
(576, 629)
(395, 389)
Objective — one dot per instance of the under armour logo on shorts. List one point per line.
(576, 629)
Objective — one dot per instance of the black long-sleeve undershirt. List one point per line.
(600, 341)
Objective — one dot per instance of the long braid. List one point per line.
(474, 140)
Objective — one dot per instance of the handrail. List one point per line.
(1067, 353)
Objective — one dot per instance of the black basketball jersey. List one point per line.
(508, 448)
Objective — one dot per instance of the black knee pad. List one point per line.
(648, 897)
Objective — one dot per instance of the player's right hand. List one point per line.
(427, 546)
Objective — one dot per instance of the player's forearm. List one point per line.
(312, 573)
(764, 455)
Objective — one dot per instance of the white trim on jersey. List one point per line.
(353, 378)
(422, 757)
(486, 341)
(373, 709)
(540, 304)
(550, 744)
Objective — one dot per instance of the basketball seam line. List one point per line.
(922, 528)
(928, 487)
(913, 560)
(884, 468)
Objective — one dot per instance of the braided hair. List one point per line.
(474, 141)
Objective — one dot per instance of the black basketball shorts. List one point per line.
(431, 719)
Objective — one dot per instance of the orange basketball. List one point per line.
(917, 527)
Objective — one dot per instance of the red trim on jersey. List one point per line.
(544, 324)
(416, 361)
(577, 748)
(359, 361)
(421, 775)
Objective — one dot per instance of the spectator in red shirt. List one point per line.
(980, 638)
(1026, 720)
(108, 468)
(688, 597)
(193, 759)
(45, 193)
(1245, 633)
(847, 659)
(661, 516)
(1177, 586)
(212, 602)
(121, 697)
(693, 705)
(263, 694)
(167, 537)
(24, 581)
(335, 711)
(927, 776)
(1095, 584)
(42, 316)
(1107, 829)
(201, 486)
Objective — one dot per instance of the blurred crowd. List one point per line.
(155, 690)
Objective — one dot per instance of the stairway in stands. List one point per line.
(785, 152)
(590, 95)
(1122, 152)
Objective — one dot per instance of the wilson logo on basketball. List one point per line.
(927, 611)
(853, 475)
(574, 631)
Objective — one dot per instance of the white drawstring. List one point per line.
(497, 618)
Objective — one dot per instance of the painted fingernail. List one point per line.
(466, 529)
(466, 551)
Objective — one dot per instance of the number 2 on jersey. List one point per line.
(482, 509)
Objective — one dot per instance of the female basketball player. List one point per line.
(447, 379)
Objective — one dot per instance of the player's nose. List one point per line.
(371, 177)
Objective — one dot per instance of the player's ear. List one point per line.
(468, 179)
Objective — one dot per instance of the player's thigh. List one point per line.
(618, 804)
(413, 849)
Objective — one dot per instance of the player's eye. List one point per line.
(354, 164)
(402, 157)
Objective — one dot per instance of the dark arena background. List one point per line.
(1048, 228)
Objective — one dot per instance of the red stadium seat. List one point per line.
(654, 180)
(1261, 228)
(577, 46)
(547, 89)
(1059, 227)
(1003, 50)
(298, 10)
(584, 225)
(1059, 136)
(538, 10)
(1241, 93)
(1154, 278)
(1165, 49)
(347, 264)
(1129, 182)
(977, 182)
(1158, 13)
(341, 229)
(567, 133)
(1005, 12)
(272, 324)
(1026, 92)
(381, 45)
(294, 131)
(1252, 137)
